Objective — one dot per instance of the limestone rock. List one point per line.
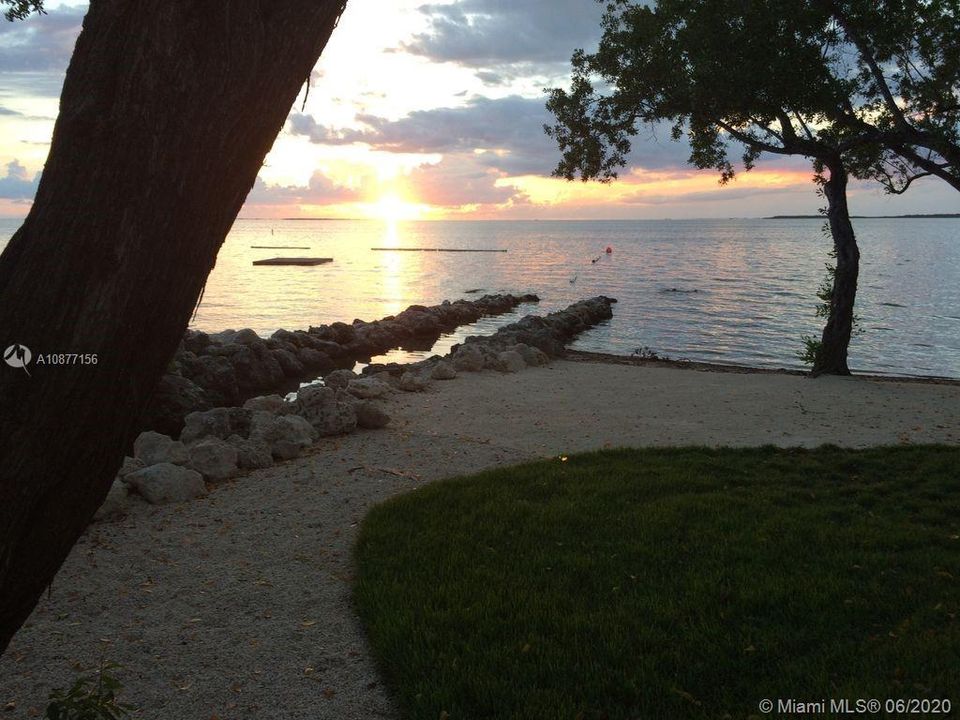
(469, 358)
(268, 403)
(339, 379)
(286, 435)
(215, 374)
(219, 422)
(532, 356)
(371, 416)
(256, 368)
(152, 448)
(443, 371)
(321, 407)
(313, 359)
(214, 459)
(511, 361)
(166, 483)
(174, 397)
(369, 387)
(245, 337)
(252, 453)
(414, 382)
(290, 364)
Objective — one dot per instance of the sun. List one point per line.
(391, 208)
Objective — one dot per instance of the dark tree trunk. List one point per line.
(831, 357)
(167, 111)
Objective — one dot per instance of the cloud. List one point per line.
(459, 180)
(16, 185)
(509, 130)
(41, 43)
(320, 191)
(8, 111)
(490, 33)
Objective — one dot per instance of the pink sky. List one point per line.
(432, 111)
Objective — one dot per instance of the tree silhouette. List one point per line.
(167, 112)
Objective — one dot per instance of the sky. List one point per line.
(433, 111)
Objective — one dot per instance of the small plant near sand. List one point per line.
(91, 697)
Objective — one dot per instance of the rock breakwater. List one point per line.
(224, 369)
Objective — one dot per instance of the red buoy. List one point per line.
(609, 250)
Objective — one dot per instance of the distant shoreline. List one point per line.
(949, 216)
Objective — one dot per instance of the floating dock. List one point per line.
(409, 249)
(293, 261)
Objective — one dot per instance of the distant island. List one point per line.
(865, 217)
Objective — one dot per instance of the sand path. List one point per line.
(238, 605)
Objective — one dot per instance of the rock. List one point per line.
(195, 341)
(532, 356)
(370, 415)
(115, 504)
(328, 348)
(468, 358)
(252, 453)
(443, 371)
(152, 448)
(321, 407)
(215, 375)
(369, 387)
(173, 399)
(130, 465)
(511, 361)
(313, 359)
(267, 403)
(289, 363)
(286, 336)
(286, 435)
(219, 422)
(256, 368)
(341, 333)
(214, 459)
(224, 337)
(339, 379)
(246, 337)
(414, 382)
(166, 483)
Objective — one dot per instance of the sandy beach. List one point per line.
(238, 604)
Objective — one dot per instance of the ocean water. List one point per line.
(730, 291)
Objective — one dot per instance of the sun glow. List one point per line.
(391, 208)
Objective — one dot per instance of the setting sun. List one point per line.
(391, 207)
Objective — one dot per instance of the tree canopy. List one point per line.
(19, 9)
(873, 83)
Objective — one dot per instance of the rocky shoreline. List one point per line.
(216, 444)
(226, 368)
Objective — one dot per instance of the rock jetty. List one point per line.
(217, 444)
(533, 340)
(224, 369)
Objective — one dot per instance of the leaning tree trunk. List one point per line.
(167, 112)
(831, 357)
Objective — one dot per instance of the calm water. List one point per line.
(738, 291)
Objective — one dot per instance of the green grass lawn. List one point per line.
(668, 584)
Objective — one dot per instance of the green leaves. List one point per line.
(91, 697)
(19, 9)
(874, 85)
